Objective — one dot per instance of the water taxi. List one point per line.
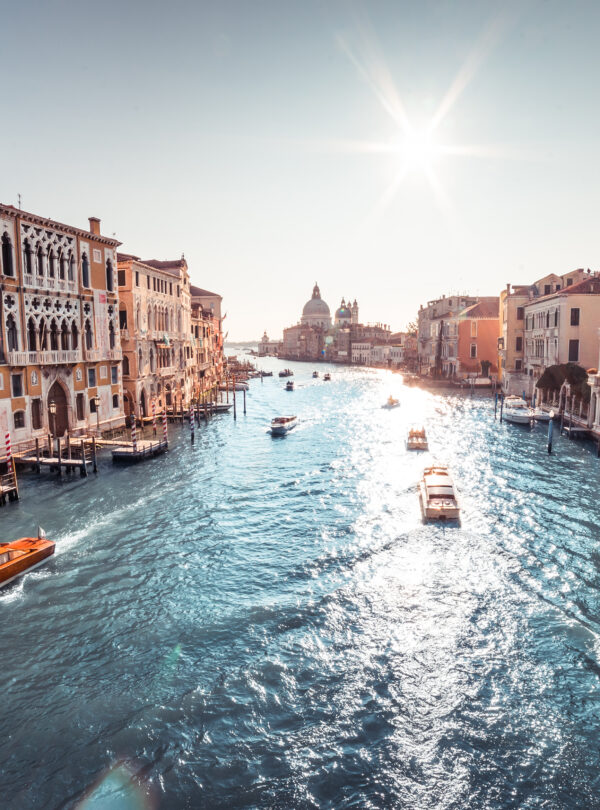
(289, 386)
(417, 439)
(438, 496)
(327, 377)
(287, 372)
(20, 556)
(516, 410)
(391, 402)
(283, 424)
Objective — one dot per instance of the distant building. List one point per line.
(438, 334)
(315, 313)
(478, 339)
(266, 346)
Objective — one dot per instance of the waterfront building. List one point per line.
(155, 322)
(511, 342)
(207, 342)
(266, 346)
(562, 327)
(60, 341)
(437, 334)
(477, 339)
(315, 313)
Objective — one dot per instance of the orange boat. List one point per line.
(23, 555)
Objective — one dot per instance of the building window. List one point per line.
(573, 351)
(7, 262)
(125, 366)
(109, 276)
(79, 407)
(518, 365)
(17, 385)
(12, 338)
(85, 270)
(89, 342)
(569, 282)
(575, 316)
(91, 377)
(36, 414)
(121, 277)
(148, 281)
(520, 313)
(115, 401)
(547, 289)
(473, 350)
(93, 405)
(19, 419)
(555, 317)
(519, 344)
(114, 374)
(103, 373)
(137, 278)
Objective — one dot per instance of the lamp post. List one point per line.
(52, 409)
(96, 401)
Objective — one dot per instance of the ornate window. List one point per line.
(74, 336)
(71, 270)
(89, 340)
(36, 414)
(7, 261)
(31, 335)
(125, 366)
(12, 336)
(40, 261)
(51, 263)
(64, 336)
(28, 257)
(111, 335)
(53, 336)
(109, 276)
(85, 270)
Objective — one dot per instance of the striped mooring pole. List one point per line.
(192, 425)
(133, 435)
(9, 460)
(153, 418)
(164, 421)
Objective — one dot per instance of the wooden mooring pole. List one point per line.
(94, 455)
(244, 401)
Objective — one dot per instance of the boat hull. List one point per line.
(417, 444)
(517, 418)
(36, 553)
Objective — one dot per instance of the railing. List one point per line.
(93, 355)
(46, 283)
(114, 354)
(165, 371)
(44, 358)
(124, 334)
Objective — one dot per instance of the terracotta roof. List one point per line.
(127, 257)
(172, 266)
(590, 286)
(200, 293)
(485, 308)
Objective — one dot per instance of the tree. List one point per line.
(412, 328)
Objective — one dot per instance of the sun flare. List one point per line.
(418, 151)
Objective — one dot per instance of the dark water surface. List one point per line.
(258, 622)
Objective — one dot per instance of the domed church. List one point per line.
(316, 312)
(347, 313)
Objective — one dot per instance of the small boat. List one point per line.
(282, 425)
(327, 377)
(289, 386)
(516, 410)
(222, 407)
(239, 386)
(542, 416)
(417, 439)
(266, 373)
(438, 495)
(391, 402)
(315, 374)
(20, 556)
(287, 372)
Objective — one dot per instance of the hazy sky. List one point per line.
(268, 142)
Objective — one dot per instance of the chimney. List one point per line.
(94, 225)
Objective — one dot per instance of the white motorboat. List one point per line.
(438, 495)
(542, 416)
(417, 439)
(516, 410)
(283, 424)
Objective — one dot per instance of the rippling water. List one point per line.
(259, 622)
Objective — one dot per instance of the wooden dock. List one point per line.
(66, 453)
(576, 432)
(8, 486)
(125, 451)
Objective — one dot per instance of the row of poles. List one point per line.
(500, 397)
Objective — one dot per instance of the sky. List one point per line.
(392, 151)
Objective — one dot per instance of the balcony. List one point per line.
(125, 334)
(93, 355)
(114, 354)
(44, 358)
(167, 371)
(46, 283)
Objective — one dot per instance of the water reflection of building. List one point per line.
(59, 341)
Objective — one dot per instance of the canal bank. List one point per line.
(259, 622)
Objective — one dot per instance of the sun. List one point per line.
(418, 151)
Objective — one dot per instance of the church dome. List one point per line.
(343, 313)
(316, 312)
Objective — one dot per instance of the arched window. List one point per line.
(62, 266)
(71, 269)
(40, 261)
(64, 336)
(28, 257)
(109, 276)
(137, 317)
(85, 270)
(43, 341)
(7, 262)
(31, 335)
(89, 342)
(115, 401)
(53, 336)
(125, 366)
(12, 336)
(111, 335)
(140, 362)
(51, 263)
(74, 336)
(150, 321)
(152, 367)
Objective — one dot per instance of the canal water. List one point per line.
(259, 622)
